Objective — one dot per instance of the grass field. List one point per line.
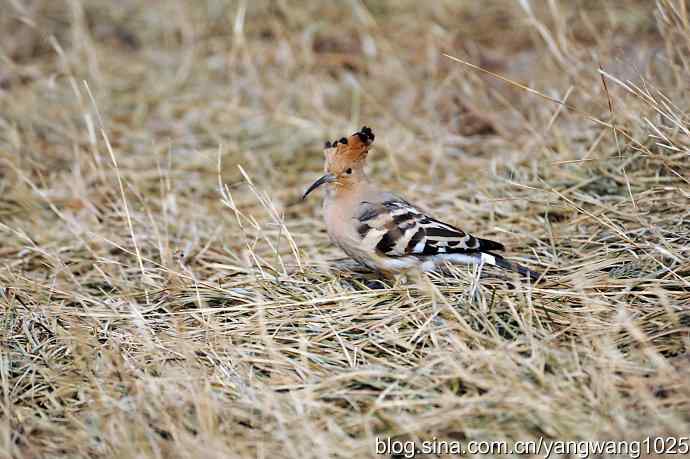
(165, 293)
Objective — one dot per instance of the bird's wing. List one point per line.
(397, 228)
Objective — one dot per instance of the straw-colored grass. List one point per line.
(165, 293)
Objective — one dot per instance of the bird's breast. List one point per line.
(342, 228)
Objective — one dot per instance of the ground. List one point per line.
(165, 292)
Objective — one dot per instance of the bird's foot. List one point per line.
(376, 284)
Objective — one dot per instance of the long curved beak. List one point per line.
(328, 178)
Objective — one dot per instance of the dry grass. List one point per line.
(165, 294)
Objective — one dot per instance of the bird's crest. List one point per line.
(350, 149)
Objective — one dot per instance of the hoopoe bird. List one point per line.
(383, 231)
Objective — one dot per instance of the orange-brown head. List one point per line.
(345, 160)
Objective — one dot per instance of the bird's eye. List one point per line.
(348, 171)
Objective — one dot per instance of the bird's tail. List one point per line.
(497, 260)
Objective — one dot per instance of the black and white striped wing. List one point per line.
(397, 228)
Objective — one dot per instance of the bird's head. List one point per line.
(345, 160)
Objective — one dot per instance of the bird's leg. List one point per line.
(401, 278)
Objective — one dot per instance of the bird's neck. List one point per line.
(352, 191)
